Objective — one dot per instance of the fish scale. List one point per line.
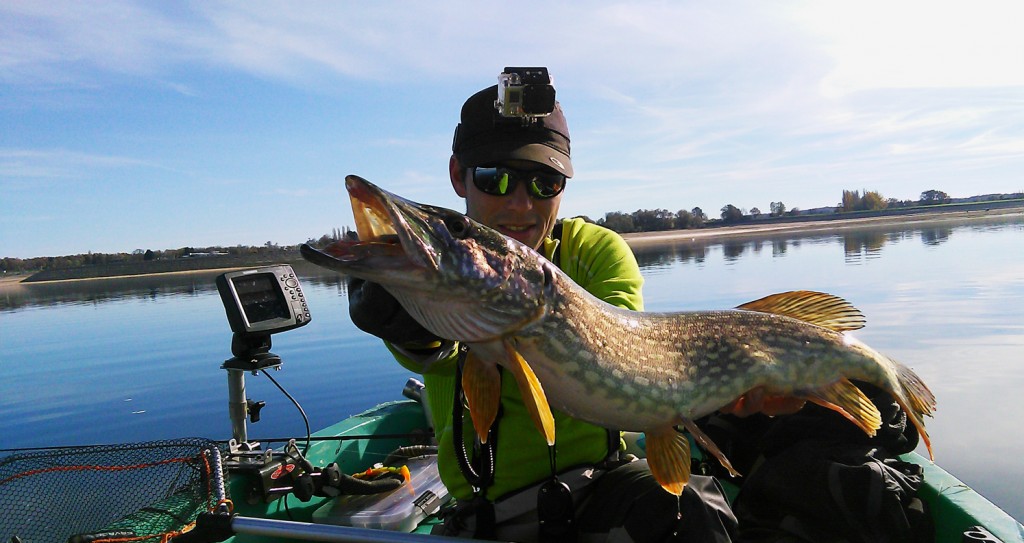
(650, 372)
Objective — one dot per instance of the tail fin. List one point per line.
(916, 400)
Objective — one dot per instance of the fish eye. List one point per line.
(459, 226)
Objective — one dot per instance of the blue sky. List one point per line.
(155, 125)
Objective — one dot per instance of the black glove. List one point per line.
(375, 311)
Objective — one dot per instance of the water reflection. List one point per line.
(779, 247)
(863, 245)
(733, 250)
(859, 244)
(665, 256)
(936, 236)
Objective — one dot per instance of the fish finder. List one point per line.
(263, 301)
(258, 302)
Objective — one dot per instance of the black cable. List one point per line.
(305, 419)
(287, 510)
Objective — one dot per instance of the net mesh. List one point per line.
(128, 492)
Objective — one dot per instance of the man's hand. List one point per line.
(755, 401)
(375, 311)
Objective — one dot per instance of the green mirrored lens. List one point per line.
(536, 190)
(502, 181)
(546, 186)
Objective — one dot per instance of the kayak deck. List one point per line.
(363, 439)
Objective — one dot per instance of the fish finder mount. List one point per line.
(258, 302)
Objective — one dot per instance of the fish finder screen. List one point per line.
(264, 300)
(260, 297)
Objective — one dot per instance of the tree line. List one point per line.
(853, 200)
(268, 250)
(641, 220)
(656, 220)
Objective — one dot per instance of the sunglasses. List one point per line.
(501, 181)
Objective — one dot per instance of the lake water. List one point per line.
(139, 359)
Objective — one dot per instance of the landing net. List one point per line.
(125, 493)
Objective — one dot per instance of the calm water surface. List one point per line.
(131, 360)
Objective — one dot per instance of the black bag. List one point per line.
(815, 477)
(820, 492)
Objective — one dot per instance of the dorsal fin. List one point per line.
(818, 308)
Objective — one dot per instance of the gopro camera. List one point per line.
(525, 93)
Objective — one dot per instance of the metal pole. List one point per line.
(236, 405)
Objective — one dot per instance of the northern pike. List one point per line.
(620, 369)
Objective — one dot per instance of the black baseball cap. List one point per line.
(484, 137)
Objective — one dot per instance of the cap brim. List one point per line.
(510, 150)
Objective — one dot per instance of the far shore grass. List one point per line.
(704, 235)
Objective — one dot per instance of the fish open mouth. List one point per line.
(376, 217)
(373, 222)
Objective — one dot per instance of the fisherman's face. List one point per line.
(517, 214)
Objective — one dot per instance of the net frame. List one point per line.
(149, 491)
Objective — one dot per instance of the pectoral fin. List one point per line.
(533, 394)
(668, 455)
(846, 399)
(482, 386)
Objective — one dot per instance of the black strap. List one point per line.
(486, 523)
(479, 472)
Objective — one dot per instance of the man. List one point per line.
(512, 172)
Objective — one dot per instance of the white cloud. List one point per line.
(60, 163)
(621, 44)
(66, 41)
(738, 46)
(917, 44)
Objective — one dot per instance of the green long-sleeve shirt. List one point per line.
(601, 262)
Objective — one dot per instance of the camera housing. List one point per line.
(525, 93)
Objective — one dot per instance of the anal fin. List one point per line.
(533, 394)
(482, 385)
(668, 455)
(846, 399)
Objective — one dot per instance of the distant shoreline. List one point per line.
(640, 239)
(823, 225)
(17, 281)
